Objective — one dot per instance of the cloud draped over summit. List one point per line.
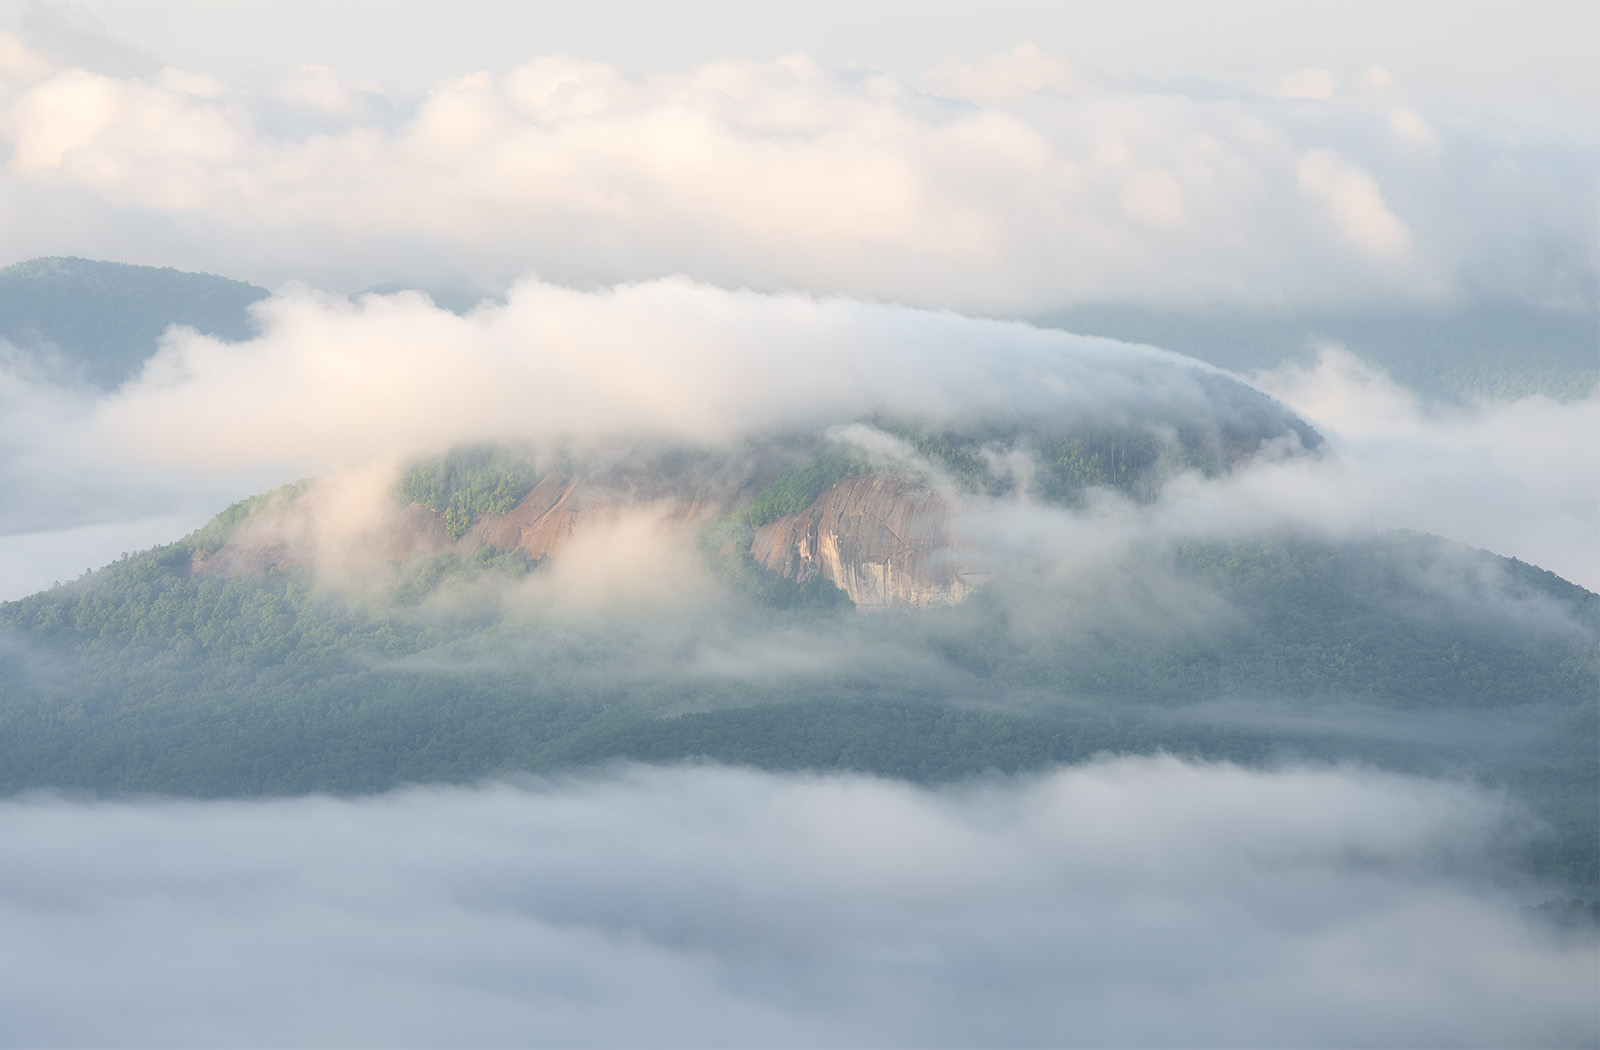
(332, 384)
(396, 374)
(1011, 186)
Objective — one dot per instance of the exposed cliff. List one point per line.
(881, 539)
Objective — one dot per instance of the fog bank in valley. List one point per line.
(1126, 902)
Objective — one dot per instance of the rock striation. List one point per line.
(883, 540)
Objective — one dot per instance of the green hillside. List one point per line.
(102, 320)
(146, 677)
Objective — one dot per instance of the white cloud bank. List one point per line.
(1128, 902)
(331, 383)
(1010, 185)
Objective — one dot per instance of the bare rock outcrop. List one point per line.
(883, 540)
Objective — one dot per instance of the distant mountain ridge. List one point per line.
(104, 320)
(100, 321)
(1463, 354)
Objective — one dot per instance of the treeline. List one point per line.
(468, 481)
(1069, 459)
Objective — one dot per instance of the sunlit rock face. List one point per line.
(883, 540)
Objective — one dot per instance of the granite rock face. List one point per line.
(883, 540)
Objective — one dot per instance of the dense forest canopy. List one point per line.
(1400, 651)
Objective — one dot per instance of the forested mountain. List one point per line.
(230, 664)
(102, 320)
(886, 593)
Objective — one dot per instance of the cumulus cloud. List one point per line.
(1128, 902)
(1354, 203)
(1011, 185)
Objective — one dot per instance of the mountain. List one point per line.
(925, 597)
(795, 602)
(102, 320)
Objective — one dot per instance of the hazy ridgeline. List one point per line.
(100, 321)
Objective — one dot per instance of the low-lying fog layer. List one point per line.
(1127, 902)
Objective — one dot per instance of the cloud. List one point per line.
(1008, 77)
(335, 385)
(19, 65)
(359, 387)
(331, 383)
(1007, 186)
(1521, 477)
(1142, 901)
(1355, 204)
(1312, 83)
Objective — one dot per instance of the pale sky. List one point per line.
(1537, 63)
